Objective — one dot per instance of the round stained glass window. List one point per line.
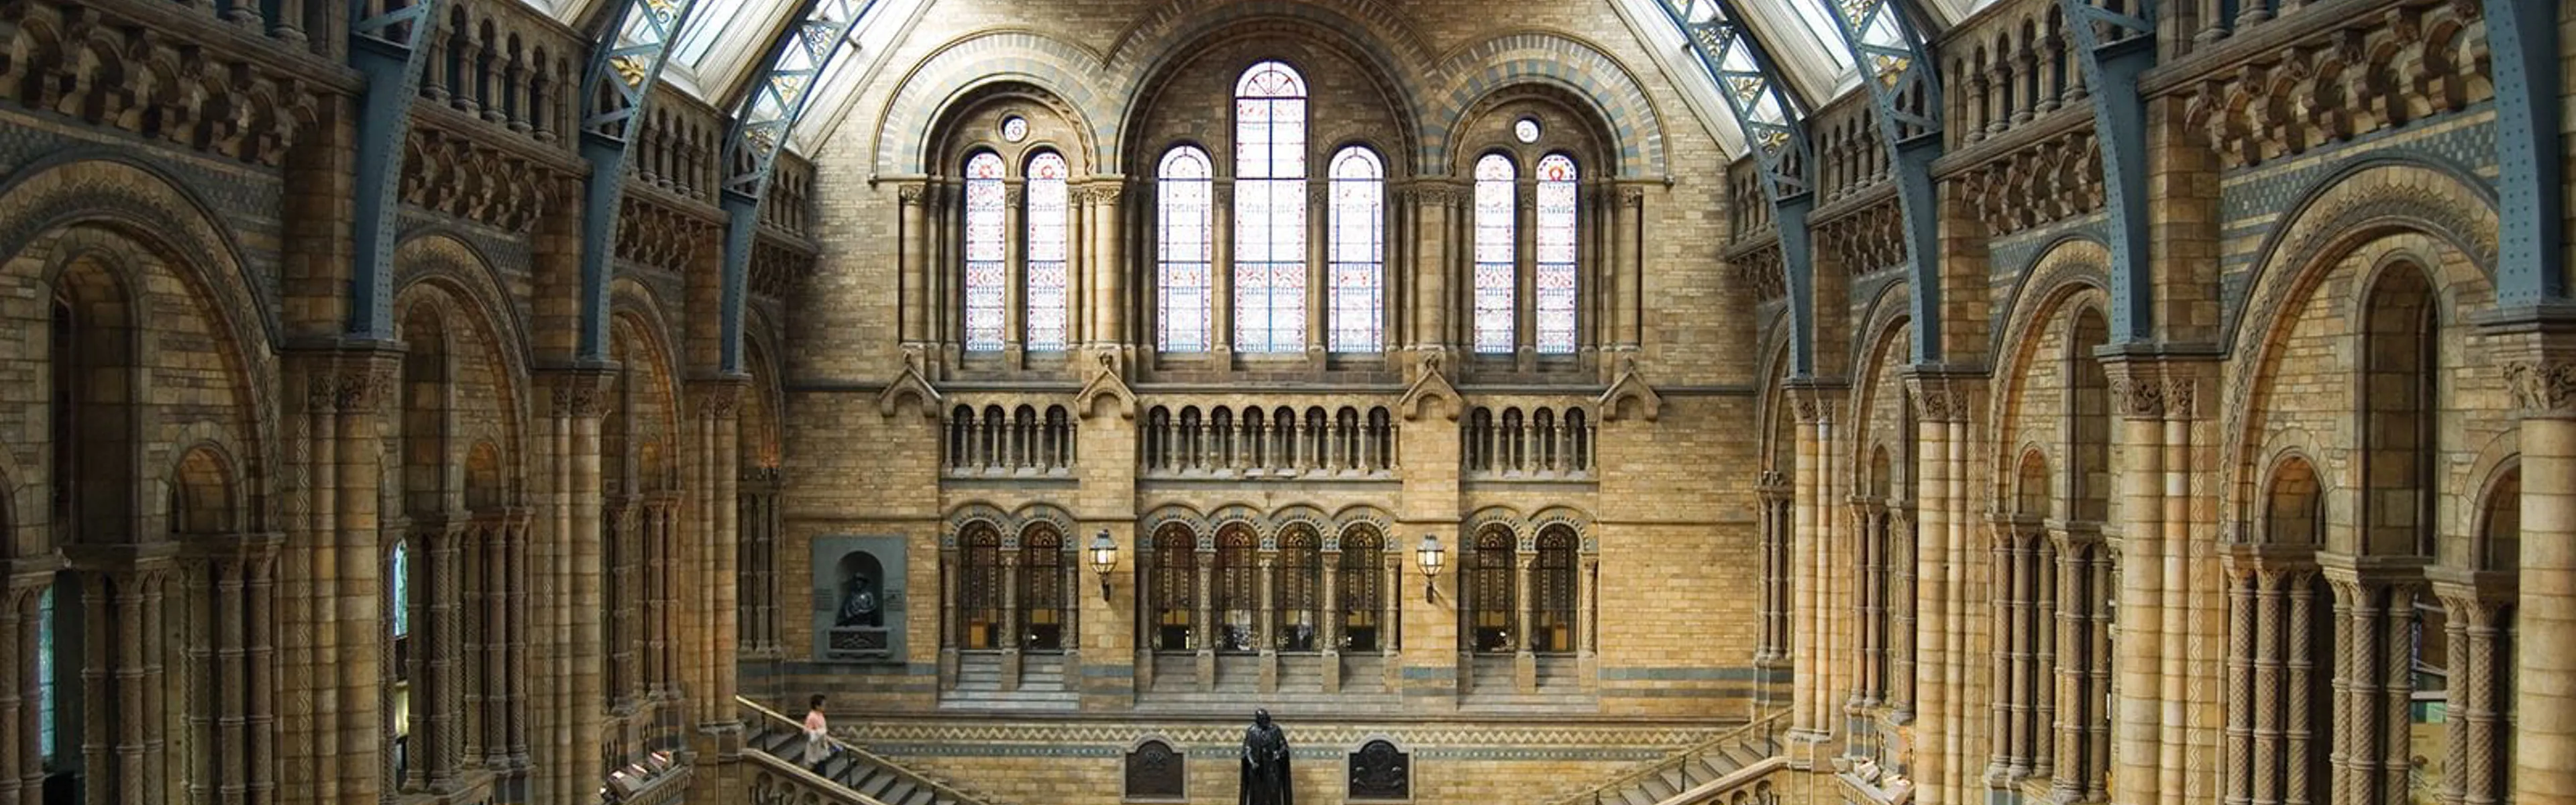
(1015, 128)
(1526, 129)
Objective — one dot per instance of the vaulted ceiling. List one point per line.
(724, 42)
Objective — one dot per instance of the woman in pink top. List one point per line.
(818, 736)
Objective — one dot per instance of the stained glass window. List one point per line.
(45, 674)
(1555, 274)
(1182, 194)
(1015, 128)
(985, 253)
(1526, 129)
(1270, 210)
(1046, 298)
(399, 581)
(1358, 250)
(1495, 264)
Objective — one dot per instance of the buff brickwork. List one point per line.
(2272, 552)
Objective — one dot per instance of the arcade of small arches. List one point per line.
(1288, 587)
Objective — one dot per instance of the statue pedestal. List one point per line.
(1010, 669)
(1332, 671)
(1525, 672)
(858, 644)
(1269, 671)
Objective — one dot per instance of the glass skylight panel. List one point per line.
(1825, 36)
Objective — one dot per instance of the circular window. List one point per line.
(1015, 128)
(1526, 129)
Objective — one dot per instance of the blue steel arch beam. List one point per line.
(615, 90)
(1895, 63)
(1769, 117)
(2524, 37)
(2114, 49)
(780, 92)
(385, 46)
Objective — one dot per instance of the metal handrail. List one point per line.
(1766, 726)
(944, 790)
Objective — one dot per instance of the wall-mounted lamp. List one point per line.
(1104, 558)
(1430, 557)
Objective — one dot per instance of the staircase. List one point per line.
(781, 741)
(1699, 773)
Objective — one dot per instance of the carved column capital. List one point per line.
(1938, 398)
(351, 381)
(717, 398)
(2542, 388)
(577, 392)
(911, 194)
(1813, 399)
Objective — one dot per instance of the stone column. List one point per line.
(2139, 397)
(444, 666)
(2004, 605)
(1204, 637)
(1524, 659)
(1390, 608)
(1010, 626)
(1268, 630)
(952, 629)
(2543, 380)
(1627, 285)
(1938, 406)
(712, 729)
(1524, 269)
(1901, 623)
(1319, 271)
(1814, 625)
(21, 761)
(352, 605)
(1221, 271)
(1015, 271)
(1329, 637)
(1587, 644)
(1433, 202)
(916, 242)
(1108, 265)
(574, 578)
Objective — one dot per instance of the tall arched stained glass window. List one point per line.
(1181, 198)
(1495, 264)
(1358, 251)
(1555, 271)
(1046, 302)
(985, 253)
(45, 674)
(1270, 210)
